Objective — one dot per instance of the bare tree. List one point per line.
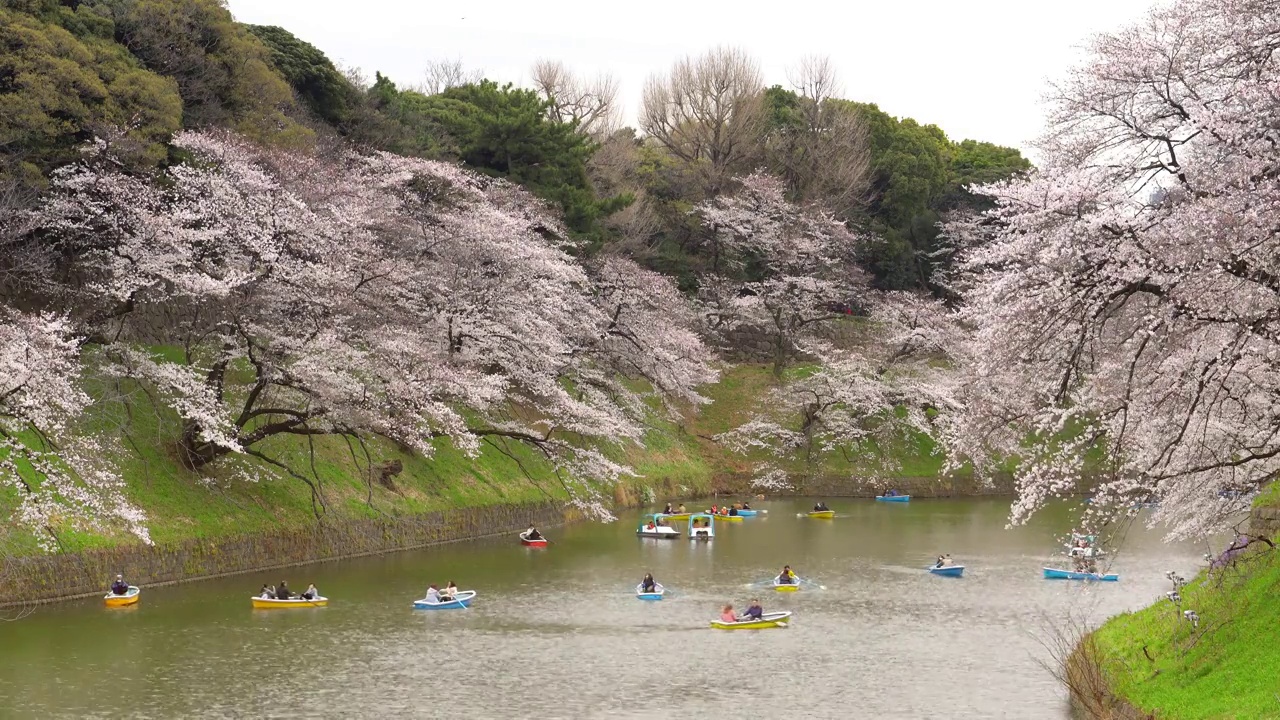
(823, 155)
(440, 75)
(593, 104)
(708, 111)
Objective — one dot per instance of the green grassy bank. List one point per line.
(241, 495)
(1227, 668)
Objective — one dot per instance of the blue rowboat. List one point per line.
(1052, 574)
(893, 498)
(948, 570)
(655, 595)
(747, 513)
(461, 600)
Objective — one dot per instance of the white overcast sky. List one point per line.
(976, 68)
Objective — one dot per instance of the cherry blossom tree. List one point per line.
(57, 470)
(366, 295)
(862, 398)
(798, 264)
(1125, 297)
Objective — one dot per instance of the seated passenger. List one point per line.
(532, 533)
(786, 577)
(282, 591)
(311, 593)
(733, 512)
(746, 506)
(726, 614)
(120, 587)
(648, 584)
(682, 508)
(941, 561)
(755, 612)
(450, 592)
(667, 510)
(433, 594)
(266, 593)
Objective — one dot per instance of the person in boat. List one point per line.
(947, 561)
(120, 587)
(733, 511)
(650, 526)
(714, 510)
(311, 593)
(786, 577)
(449, 593)
(755, 612)
(532, 534)
(726, 614)
(647, 584)
(941, 561)
(746, 506)
(682, 510)
(668, 510)
(283, 592)
(266, 593)
(433, 594)
(890, 493)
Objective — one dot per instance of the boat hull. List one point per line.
(267, 604)
(948, 570)
(1054, 574)
(825, 514)
(461, 602)
(540, 542)
(893, 498)
(657, 536)
(129, 598)
(747, 513)
(786, 587)
(675, 516)
(656, 595)
(768, 620)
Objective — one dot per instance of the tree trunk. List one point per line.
(197, 453)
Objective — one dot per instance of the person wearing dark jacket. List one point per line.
(120, 587)
(755, 612)
(647, 584)
(282, 591)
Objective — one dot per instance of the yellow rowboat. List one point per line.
(766, 621)
(129, 598)
(823, 514)
(675, 516)
(261, 603)
(729, 518)
(792, 586)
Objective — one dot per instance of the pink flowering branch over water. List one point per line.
(1126, 297)
(57, 472)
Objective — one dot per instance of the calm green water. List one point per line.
(558, 633)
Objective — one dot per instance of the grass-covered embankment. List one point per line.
(1227, 668)
(242, 495)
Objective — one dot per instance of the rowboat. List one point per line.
(129, 598)
(540, 542)
(748, 513)
(261, 603)
(675, 516)
(649, 527)
(1052, 574)
(729, 518)
(702, 526)
(893, 498)
(658, 590)
(766, 621)
(461, 600)
(792, 586)
(828, 514)
(948, 570)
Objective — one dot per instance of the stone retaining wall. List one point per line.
(47, 578)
